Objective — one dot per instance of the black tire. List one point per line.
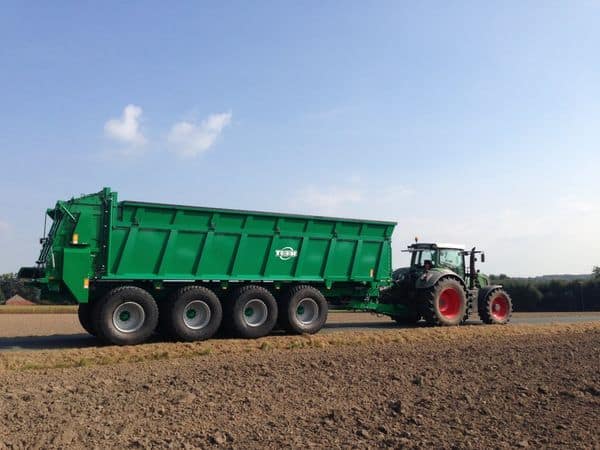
(112, 314)
(496, 308)
(303, 310)
(194, 314)
(84, 313)
(250, 312)
(445, 304)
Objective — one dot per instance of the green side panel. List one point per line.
(149, 241)
(76, 269)
(169, 242)
(315, 257)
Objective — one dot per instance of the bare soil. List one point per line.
(467, 387)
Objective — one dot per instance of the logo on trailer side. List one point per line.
(286, 253)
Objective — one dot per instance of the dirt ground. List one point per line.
(468, 387)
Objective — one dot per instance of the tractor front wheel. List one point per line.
(445, 304)
(496, 307)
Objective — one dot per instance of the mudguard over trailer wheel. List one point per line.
(496, 307)
(127, 315)
(446, 303)
(251, 312)
(84, 313)
(193, 314)
(303, 310)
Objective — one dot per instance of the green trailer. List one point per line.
(135, 268)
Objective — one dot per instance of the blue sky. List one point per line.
(470, 122)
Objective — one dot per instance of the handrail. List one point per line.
(64, 208)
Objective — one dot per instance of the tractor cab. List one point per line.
(432, 256)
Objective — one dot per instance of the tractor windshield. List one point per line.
(420, 256)
(453, 259)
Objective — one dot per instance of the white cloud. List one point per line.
(126, 129)
(353, 198)
(189, 139)
(327, 200)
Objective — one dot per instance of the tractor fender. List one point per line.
(431, 278)
(485, 291)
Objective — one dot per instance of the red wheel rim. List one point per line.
(449, 303)
(499, 307)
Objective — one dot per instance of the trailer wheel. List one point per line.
(125, 316)
(84, 312)
(303, 310)
(446, 303)
(251, 312)
(194, 314)
(496, 307)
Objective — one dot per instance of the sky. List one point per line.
(467, 122)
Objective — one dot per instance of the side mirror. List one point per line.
(483, 257)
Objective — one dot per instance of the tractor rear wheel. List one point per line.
(251, 312)
(84, 312)
(303, 310)
(496, 307)
(446, 303)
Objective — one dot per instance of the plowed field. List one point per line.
(467, 387)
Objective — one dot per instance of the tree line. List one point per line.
(544, 294)
(10, 286)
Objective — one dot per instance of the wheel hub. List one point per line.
(256, 312)
(197, 315)
(307, 311)
(449, 303)
(129, 317)
(499, 308)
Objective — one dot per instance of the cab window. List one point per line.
(452, 259)
(421, 256)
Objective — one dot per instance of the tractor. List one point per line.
(440, 287)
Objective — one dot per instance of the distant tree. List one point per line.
(525, 296)
(499, 278)
(10, 286)
(596, 272)
(2, 297)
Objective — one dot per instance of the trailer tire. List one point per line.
(251, 312)
(84, 313)
(303, 310)
(496, 307)
(445, 303)
(194, 314)
(127, 315)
